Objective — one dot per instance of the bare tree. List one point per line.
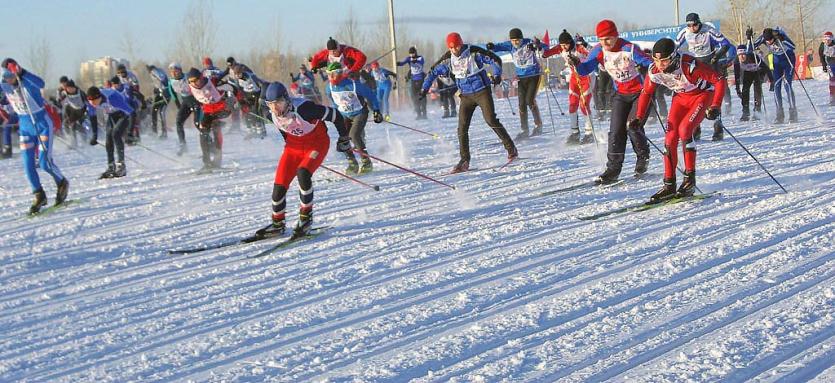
(349, 32)
(128, 45)
(39, 57)
(196, 37)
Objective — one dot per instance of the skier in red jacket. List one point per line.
(351, 58)
(697, 94)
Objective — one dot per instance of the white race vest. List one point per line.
(524, 57)
(207, 95)
(292, 123)
(347, 101)
(464, 65)
(620, 65)
(19, 105)
(248, 84)
(829, 50)
(181, 86)
(677, 81)
(75, 101)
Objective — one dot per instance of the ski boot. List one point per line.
(523, 135)
(688, 187)
(304, 225)
(573, 138)
(781, 118)
(668, 191)
(792, 114)
(7, 151)
(366, 166)
(462, 166)
(609, 176)
(512, 153)
(63, 189)
(39, 202)
(181, 149)
(746, 116)
(353, 166)
(588, 138)
(109, 173)
(537, 130)
(120, 170)
(278, 227)
(446, 114)
(163, 134)
(641, 166)
(718, 131)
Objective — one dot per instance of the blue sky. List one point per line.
(80, 30)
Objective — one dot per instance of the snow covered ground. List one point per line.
(491, 282)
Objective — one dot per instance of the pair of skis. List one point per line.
(495, 168)
(314, 232)
(644, 206)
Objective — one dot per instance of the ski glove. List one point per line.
(634, 124)
(497, 80)
(378, 118)
(490, 46)
(422, 94)
(343, 144)
(712, 113)
(573, 60)
(749, 33)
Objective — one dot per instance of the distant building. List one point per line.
(96, 72)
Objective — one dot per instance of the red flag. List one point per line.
(546, 39)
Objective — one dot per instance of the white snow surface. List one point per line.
(490, 282)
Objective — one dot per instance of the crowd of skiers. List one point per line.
(627, 84)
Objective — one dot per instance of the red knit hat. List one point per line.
(606, 28)
(454, 40)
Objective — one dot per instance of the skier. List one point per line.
(352, 59)
(708, 45)
(211, 109)
(210, 71)
(248, 92)
(529, 72)
(161, 100)
(75, 110)
(130, 86)
(23, 91)
(415, 78)
(467, 64)
(826, 51)
(698, 91)
(620, 58)
(302, 124)
(579, 88)
(445, 85)
(116, 109)
(749, 68)
(8, 119)
(307, 84)
(384, 87)
(782, 50)
(180, 92)
(351, 99)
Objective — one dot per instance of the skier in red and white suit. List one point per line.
(579, 87)
(302, 124)
(212, 109)
(697, 94)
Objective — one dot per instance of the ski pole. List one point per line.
(755, 160)
(382, 55)
(414, 129)
(511, 105)
(586, 109)
(375, 187)
(555, 99)
(800, 80)
(139, 144)
(550, 113)
(363, 154)
(662, 152)
(67, 144)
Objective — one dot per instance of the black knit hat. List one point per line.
(768, 34)
(515, 33)
(63, 79)
(663, 48)
(332, 44)
(412, 50)
(115, 80)
(565, 38)
(693, 18)
(193, 73)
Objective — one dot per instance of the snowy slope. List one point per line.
(491, 282)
